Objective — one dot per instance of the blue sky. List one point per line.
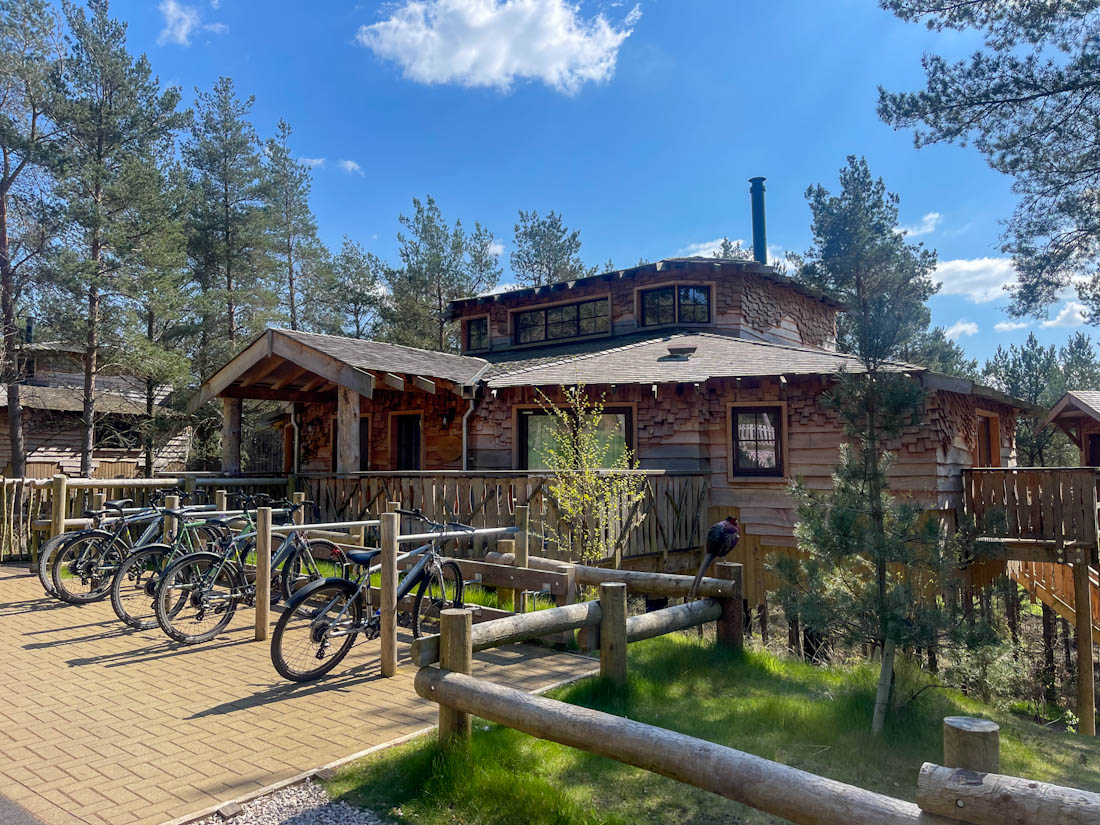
(639, 123)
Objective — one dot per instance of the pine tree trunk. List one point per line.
(794, 640)
(1012, 614)
(1050, 689)
(87, 433)
(885, 681)
(9, 373)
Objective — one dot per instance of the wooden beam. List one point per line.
(231, 435)
(322, 363)
(393, 381)
(1086, 680)
(255, 375)
(314, 383)
(211, 388)
(292, 375)
(347, 431)
(269, 394)
(423, 384)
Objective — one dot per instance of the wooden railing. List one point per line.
(669, 516)
(1053, 585)
(1055, 505)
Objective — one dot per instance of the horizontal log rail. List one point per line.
(796, 795)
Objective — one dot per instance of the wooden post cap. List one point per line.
(972, 744)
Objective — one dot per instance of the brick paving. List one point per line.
(109, 726)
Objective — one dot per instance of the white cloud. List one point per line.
(313, 163)
(351, 167)
(703, 249)
(215, 4)
(960, 328)
(634, 15)
(1072, 314)
(980, 279)
(496, 248)
(181, 21)
(492, 43)
(926, 226)
(1010, 326)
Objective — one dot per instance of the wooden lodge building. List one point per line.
(710, 368)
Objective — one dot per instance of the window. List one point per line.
(687, 304)
(537, 435)
(477, 334)
(757, 434)
(989, 439)
(564, 321)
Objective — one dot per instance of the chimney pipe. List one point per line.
(759, 228)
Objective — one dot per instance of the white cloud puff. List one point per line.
(926, 226)
(493, 43)
(980, 279)
(351, 167)
(1072, 314)
(1011, 326)
(181, 21)
(960, 328)
(313, 163)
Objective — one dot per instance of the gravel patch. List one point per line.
(306, 803)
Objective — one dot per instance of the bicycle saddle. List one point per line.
(363, 557)
(118, 503)
(219, 522)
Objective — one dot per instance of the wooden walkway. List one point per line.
(1052, 584)
(107, 726)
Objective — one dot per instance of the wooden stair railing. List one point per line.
(1052, 584)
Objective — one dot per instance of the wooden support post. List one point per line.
(221, 500)
(731, 625)
(972, 744)
(263, 572)
(189, 489)
(506, 596)
(231, 435)
(456, 653)
(347, 430)
(391, 525)
(299, 516)
(171, 523)
(291, 485)
(523, 523)
(60, 504)
(613, 632)
(358, 535)
(392, 506)
(1086, 681)
(98, 500)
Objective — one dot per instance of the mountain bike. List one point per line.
(197, 594)
(321, 622)
(82, 563)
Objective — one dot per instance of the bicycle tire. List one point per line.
(154, 559)
(426, 616)
(291, 578)
(45, 561)
(299, 611)
(169, 618)
(91, 568)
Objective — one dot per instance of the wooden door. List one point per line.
(407, 448)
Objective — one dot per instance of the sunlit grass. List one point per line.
(813, 718)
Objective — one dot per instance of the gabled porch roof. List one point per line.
(1071, 409)
(288, 365)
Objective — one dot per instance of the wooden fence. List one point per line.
(668, 517)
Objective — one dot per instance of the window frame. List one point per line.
(524, 412)
(783, 471)
(515, 316)
(466, 322)
(994, 421)
(676, 287)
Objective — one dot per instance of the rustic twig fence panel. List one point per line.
(25, 501)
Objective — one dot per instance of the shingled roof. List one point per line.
(71, 399)
(1087, 401)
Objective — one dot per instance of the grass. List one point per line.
(815, 719)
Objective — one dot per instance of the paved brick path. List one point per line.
(109, 726)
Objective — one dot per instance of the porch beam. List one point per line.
(347, 431)
(393, 381)
(291, 376)
(423, 384)
(314, 383)
(254, 353)
(1086, 680)
(231, 435)
(274, 362)
(320, 363)
(271, 394)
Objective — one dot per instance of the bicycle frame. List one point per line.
(412, 578)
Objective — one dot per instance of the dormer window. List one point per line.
(676, 304)
(477, 334)
(562, 322)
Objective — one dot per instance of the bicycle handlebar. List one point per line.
(436, 526)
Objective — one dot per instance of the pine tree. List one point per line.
(117, 128)
(545, 251)
(29, 53)
(349, 300)
(290, 220)
(869, 556)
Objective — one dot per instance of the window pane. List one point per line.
(659, 306)
(758, 449)
(541, 439)
(694, 305)
(612, 437)
(531, 326)
(477, 334)
(593, 317)
(561, 322)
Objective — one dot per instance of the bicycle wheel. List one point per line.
(46, 554)
(83, 568)
(440, 589)
(134, 587)
(317, 559)
(209, 588)
(303, 646)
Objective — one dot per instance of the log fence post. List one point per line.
(299, 516)
(189, 489)
(506, 596)
(171, 523)
(221, 501)
(456, 653)
(971, 744)
(1086, 681)
(613, 632)
(60, 504)
(523, 525)
(731, 626)
(263, 572)
(98, 500)
(390, 529)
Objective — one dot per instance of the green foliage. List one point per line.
(586, 459)
(1027, 100)
(348, 299)
(545, 251)
(934, 350)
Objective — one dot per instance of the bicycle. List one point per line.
(321, 622)
(198, 594)
(82, 563)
